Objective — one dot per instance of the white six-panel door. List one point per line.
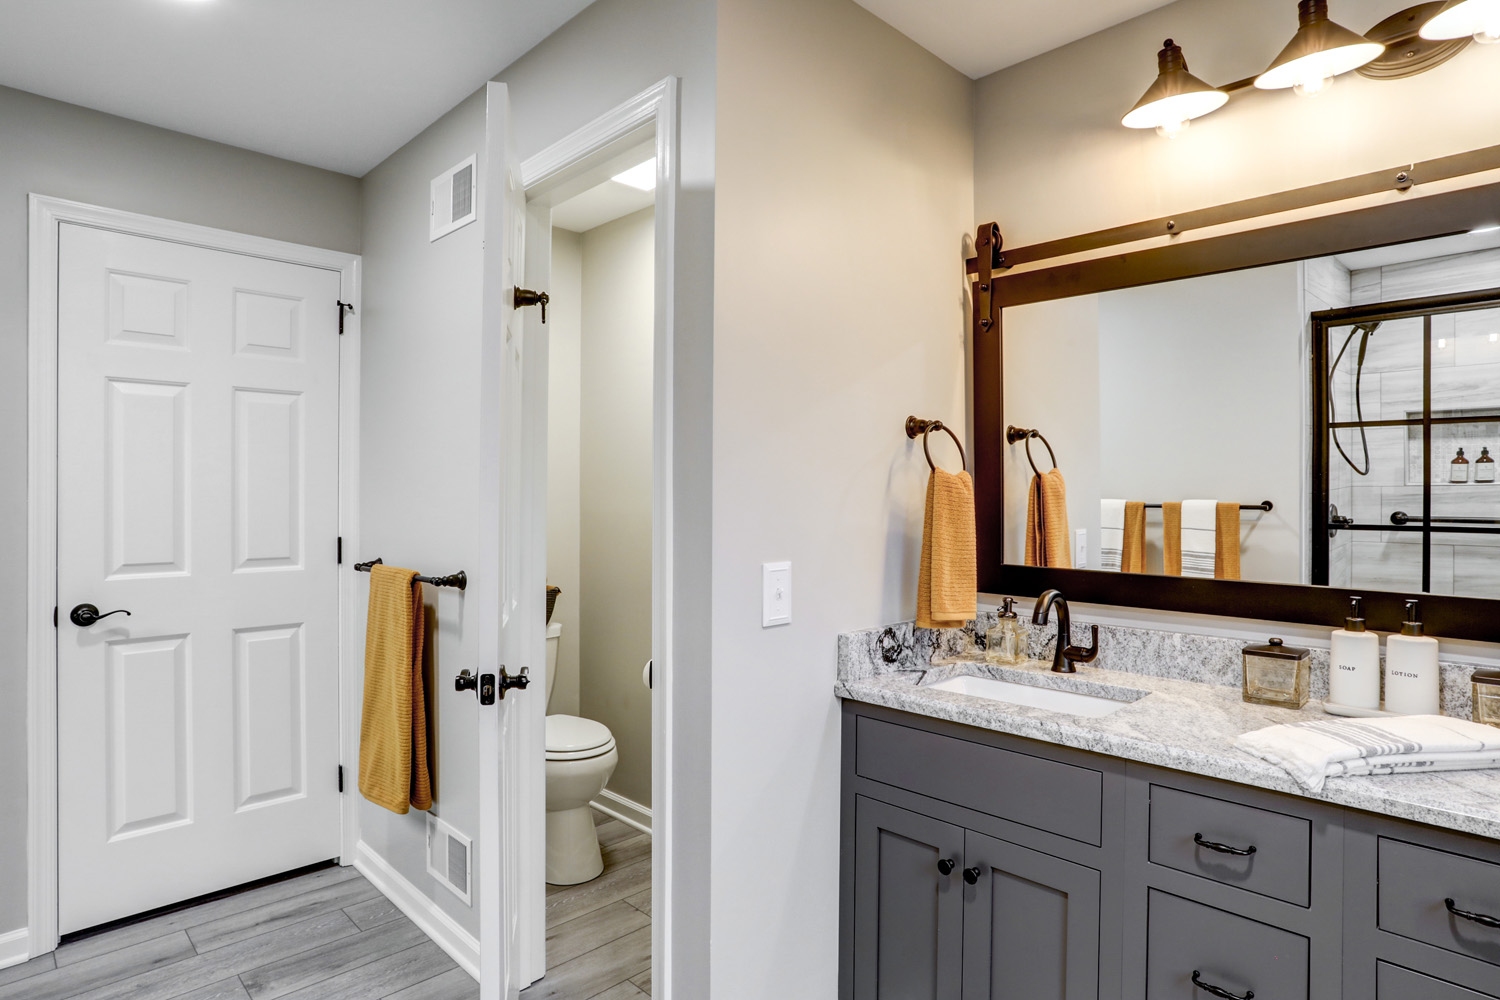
(198, 489)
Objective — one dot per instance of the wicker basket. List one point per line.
(552, 593)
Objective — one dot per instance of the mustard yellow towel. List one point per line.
(1227, 542)
(1133, 553)
(948, 583)
(1171, 537)
(393, 726)
(1047, 522)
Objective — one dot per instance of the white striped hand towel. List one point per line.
(1200, 528)
(1111, 534)
(1312, 752)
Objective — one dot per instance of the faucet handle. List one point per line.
(1080, 654)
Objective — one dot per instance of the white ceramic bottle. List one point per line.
(1354, 663)
(1411, 669)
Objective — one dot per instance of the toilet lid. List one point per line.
(570, 734)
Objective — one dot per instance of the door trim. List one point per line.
(653, 108)
(47, 214)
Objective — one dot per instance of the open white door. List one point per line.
(509, 606)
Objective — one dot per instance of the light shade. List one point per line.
(1176, 98)
(1320, 51)
(1480, 18)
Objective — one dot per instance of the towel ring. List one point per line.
(1014, 434)
(916, 425)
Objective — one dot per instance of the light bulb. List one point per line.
(1171, 130)
(1489, 36)
(1312, 86)
(1480, 18)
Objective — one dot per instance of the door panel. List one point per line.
(197, 489)
(908, 925)
(1031, 925)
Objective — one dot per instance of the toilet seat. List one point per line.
(572, 738)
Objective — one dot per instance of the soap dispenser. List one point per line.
(1484, 469)
(1004, 642)
(1354, 662)
(1411, 669)
(1459, 469)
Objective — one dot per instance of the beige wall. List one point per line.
(65, 151)
(614, 614)
(844, 173)
(1053, 159)
(564, 410)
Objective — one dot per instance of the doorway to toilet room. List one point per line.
(600, 445)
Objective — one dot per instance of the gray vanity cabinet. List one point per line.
(908, 929)
(1031, 925)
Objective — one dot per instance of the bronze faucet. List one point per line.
(1067, 654)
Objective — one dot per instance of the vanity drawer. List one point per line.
(1413, 884)
(1395, 983)
(1034, 791)
(1280, 867)
(1232, 953)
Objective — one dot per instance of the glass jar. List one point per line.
(1005, 642)
(1486, 688)
(1277, 674)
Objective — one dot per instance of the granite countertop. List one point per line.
(1186, 725)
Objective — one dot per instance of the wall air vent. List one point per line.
(455, 199)
(448, 856)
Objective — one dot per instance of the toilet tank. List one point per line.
(554, 636)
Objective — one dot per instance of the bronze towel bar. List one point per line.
(459, 579)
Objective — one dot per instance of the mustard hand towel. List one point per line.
(393, 725)
(1133, 555)
(948, 583)
(1047, 522)
(1227, 542)
(1171, 537)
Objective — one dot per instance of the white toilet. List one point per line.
(580, 758)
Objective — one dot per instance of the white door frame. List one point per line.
(47, 215)
(653, 109)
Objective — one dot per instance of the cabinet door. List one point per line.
(908, 923)
(1031, 925)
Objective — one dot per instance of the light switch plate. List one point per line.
(776, 594)
(1081, 548)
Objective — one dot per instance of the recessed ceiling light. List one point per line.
(642, 176)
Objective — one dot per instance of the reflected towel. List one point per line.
(1171, 538)
(948, 583)
(393, 725)
(1227, 542)
(1122, 535)
(1200, 521)
(1047, 522)
(1313, 752)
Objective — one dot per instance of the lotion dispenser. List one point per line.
(1354, 662)
(1411, 669)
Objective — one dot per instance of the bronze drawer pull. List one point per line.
(1239, 852)
(1219, 991)
(1482, 919)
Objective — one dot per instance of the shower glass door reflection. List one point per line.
(1406, 411)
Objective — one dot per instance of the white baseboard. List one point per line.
(15, 947)
(623, 809)
(443, 929)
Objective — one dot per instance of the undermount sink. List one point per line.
(1052, 699)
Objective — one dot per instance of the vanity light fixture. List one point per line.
(1459, 18)
(1176, 98)
(1320, 51)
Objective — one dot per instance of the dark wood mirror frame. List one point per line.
(1418, 218)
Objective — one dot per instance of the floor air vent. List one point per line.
(448, 857)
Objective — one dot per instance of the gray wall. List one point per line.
(51, 148)
(845, 192)
(419, 463)
(614, 622)
(611, 51)
(564, 411)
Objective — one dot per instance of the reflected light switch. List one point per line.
(1081, 548)
(776, 594)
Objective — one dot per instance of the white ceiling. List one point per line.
(598, 205)
(339, 84)
(978, 37)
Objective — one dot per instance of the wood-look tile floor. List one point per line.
(330, 935)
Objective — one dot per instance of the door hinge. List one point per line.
(341, 779)
(341, 550)
(344, 306)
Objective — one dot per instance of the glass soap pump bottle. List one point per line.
(1004, 642)
(1484, 469)
(1458, 472)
